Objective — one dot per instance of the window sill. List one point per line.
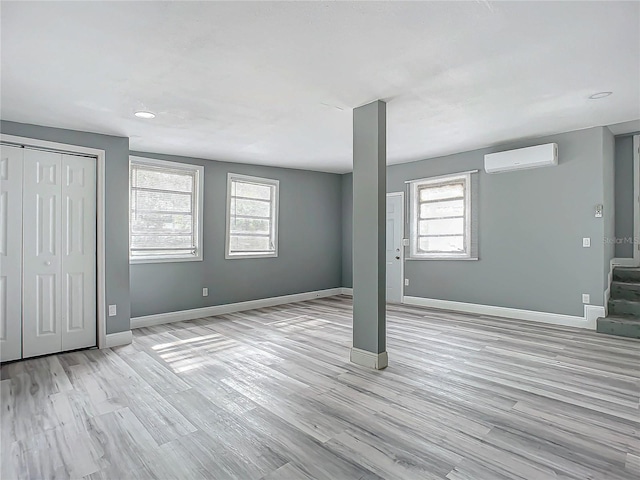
(138, 261)
(243, 256)
(467, 259)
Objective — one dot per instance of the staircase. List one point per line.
(623, 318)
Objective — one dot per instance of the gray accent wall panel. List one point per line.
(309, 253)
(116, 207)
(624, 181)
(531, 225)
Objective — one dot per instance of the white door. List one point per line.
(11, 253)
(59, 257)
(42, 257)
(395, 251)
(78, 252)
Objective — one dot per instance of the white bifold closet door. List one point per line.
(58, 230)
(11, 253)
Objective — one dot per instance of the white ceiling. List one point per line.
(274, 83)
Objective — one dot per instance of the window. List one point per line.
(441, 218)
(165, 202)
(252, 217)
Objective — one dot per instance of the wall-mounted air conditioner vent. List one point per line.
(521, 159)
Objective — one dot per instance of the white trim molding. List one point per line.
(591, 315)
(607, 292)
(118, 339)
(273, 220)
(636, 204)
(588, 321)
(182, 315)
(624, 262)
(101, 328)
(197, 212)
(402, 248)
(368, 359)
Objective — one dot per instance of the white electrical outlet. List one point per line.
(205, 292)
(112, 311)
(406, 282)
(586, 242)
(586, 298)
(599, 209)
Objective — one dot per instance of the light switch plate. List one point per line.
(599, 210)
(205, 292)
(586, 242)
(586, 298)
(406, 282)
(113, 310)
(405, 242)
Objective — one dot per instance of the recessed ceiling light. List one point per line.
(145, 115)
(598, 95)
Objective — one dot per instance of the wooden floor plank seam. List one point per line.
(269, 394)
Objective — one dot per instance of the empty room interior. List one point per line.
(320, 240)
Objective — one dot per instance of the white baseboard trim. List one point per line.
(182, 315)
(588, 321)
(368, 359)
(625, 262)
(117, 339)
(607, 292)
(591, 315)
(347, 291)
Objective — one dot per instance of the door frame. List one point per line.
(635, 260)
(636, 203)
(101, 327)
(403, 226)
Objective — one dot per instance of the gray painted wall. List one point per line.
(624, 194)
(347, 230)
(116, 207)
(608, 185)
(309, 253)
(531, 225)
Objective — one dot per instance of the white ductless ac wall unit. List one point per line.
(522, 158)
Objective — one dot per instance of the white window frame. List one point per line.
(198, 207)
(275, 207)
(414, 187)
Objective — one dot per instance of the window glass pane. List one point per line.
(451, 208)
(162, 179)
(254, 235)
(438, 192)
(151, 223)
(162, 211)
(249, 225)
(160, 241)
(240, 206)
(250, 244)
(161, 201)
(252, 190)
(441, 244)
(446, 226)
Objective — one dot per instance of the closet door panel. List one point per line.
(11, 159)
(78, 252)
(42, 253)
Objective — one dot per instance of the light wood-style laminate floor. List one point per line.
(269, 394)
